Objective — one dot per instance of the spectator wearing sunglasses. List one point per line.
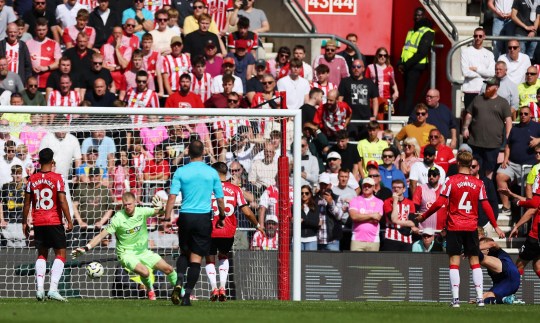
(420, 128)
(517, 152)
(336, 63)
(440, 115)
(477, 64)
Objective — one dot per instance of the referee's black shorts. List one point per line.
(50, 236)
(462, 242)
(194, 232)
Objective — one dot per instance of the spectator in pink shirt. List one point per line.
(151, 137)
(32, 134)
(366, 211)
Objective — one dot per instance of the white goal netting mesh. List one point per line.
(103, 156)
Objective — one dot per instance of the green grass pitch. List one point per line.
(161, 311)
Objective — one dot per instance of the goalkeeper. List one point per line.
(129, 227)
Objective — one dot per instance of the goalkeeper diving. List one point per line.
(131, 232)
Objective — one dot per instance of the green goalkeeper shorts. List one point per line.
(130, 259)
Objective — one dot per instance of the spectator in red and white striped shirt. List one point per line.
(333, 116)
(174, 65)
(243, 32)
(201, 82)
(137, 64)
(398, 226)
(220, 11)
(154, 5)
(65, 97)
(226, 128)
(322, 71)
(141, 96)
(152, 62)
(45, 53)
(116, 57)
(70, 33)
(270, 240)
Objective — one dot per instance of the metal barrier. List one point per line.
(398, 122)
(441, 14)
(457, 45)
(300, 13)
(320, 36)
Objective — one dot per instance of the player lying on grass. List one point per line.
(129, 227)
(502, 270)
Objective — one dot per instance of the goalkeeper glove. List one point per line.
(158, 204)
(80, 251)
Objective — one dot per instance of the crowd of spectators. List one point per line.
(361, 183)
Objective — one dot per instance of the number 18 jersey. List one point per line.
(44, 188)
(463, 193)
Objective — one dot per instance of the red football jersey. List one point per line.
(233, 200)
(463, 193)
(44, 188)
(406, 207)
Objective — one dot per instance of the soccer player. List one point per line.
(196, 181)
(530, 250)
(46, 195)
(223, 238)
(461, 193)
(131, 232)
(502, 270)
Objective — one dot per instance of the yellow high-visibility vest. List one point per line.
(411, 44)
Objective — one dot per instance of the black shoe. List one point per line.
(185, 301)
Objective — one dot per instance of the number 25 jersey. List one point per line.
(44, 188)
(464, 193)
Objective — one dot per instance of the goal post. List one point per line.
(103, 119)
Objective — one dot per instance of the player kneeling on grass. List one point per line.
(502, 270)
(223, 238)
(129, 227)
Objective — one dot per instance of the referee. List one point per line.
(196, 181)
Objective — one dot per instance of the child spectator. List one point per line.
(157, 168)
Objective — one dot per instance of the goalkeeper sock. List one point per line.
(454, 280)
(41, 269)
(478, 280)
(172, 278)
(56, 272)
(192, 276)
(223, 271)
(181, 267)
(147, 282)
(211, 273)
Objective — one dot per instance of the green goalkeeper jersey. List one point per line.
(131, 231)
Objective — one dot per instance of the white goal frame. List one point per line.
(296, 114)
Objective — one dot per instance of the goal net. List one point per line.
(104, 152)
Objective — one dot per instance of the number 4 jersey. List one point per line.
(44, 188)
(233, 200)
(464, 192)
